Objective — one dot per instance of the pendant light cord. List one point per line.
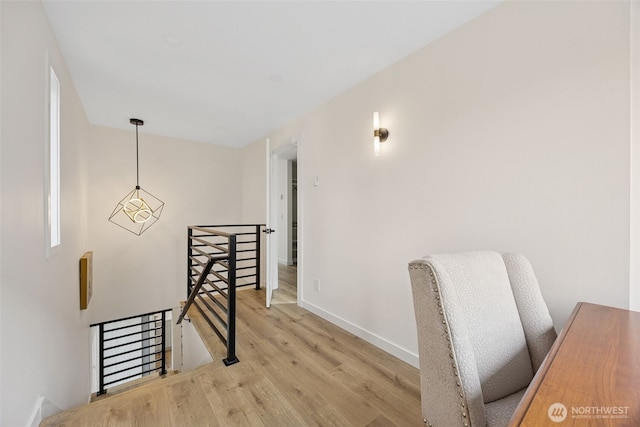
(137, 160)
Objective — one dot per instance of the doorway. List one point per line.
(284, 256)
(286, 164)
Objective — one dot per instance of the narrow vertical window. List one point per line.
(54, 162)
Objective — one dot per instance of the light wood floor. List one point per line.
(287, 291)
(295, 370)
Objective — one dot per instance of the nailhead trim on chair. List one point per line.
(465, 421)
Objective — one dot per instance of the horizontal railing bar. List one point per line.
(210, 244)
(194, 281)
(222, 244)
(242, 242)
(220, 291)
(198, 268)
(217, 288)
(130, 317)
(214, 312)
(134, 358)
(215, 329)
(211, 235)
(204, 292)
(199, 272)
(117, 337)
(199, 264)
(218, 275)
(132, 376)
(207, 243)
(207, 254)
(129, 351)
(217, 302)
(219, 261)
(245, 284)
(120, 328)
(206, 229)
(227, 225)
(245, 264)
(150, 362)
(110, 374)
(134, 325)
(208, 281)
(214, 292)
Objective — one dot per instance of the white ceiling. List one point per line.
(230, 72)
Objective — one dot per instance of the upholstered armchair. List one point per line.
(483, 331)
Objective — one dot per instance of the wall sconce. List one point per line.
(138, 210)
(379, 134)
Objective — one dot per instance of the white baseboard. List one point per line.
(36, 414)
(42, 409)
(383, 344)
(48, 408)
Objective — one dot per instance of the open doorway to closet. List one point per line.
(287, 221)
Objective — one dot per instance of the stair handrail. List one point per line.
(225, 254)
(201, 280)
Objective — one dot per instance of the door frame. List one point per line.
(291, 149)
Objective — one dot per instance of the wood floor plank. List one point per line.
(379, 392)
(186, 401)
(271, 406)
(225, 396)
(325, 403)
(287, 291)
(145, 408)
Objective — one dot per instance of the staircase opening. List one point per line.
(133, 350)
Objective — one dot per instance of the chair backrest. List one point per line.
(483, 330)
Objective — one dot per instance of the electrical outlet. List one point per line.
(316, 285)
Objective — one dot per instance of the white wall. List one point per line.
(199, 183)
(1, 204)
(254, 186)
(44, 334)
(510, 133)
(634, 289)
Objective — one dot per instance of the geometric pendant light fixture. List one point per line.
(138, 210)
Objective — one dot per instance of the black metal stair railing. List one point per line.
(131, 347)
(218, 263)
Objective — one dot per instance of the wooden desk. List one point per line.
(593, 370)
